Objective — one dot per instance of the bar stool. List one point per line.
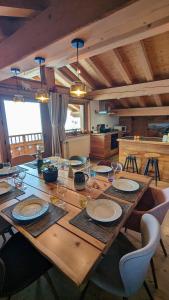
(152, 160)
(131, 162)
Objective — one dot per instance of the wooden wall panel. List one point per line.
(110, 67)
(157, 49)
(130, 53)
(139, 125)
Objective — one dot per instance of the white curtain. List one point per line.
(58, 111)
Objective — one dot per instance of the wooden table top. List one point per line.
(73, 251)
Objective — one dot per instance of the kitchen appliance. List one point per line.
(120, 128)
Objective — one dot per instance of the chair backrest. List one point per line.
(161, 204)
(18, 160)
(83, 159)
(134, 265)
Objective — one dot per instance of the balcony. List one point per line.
(25, 143)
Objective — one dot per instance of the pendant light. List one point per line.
(78, 88)
(42, 94)
(18, 97)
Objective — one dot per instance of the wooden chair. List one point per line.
(5, 227)
(20, 265)
(18, 160)
(123, 270)
(154, 202)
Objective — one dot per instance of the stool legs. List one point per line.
(154, 163)
(130, 162)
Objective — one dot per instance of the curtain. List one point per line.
(5, 154)
(58, 112)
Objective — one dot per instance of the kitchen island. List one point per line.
(104, 145)
(145, 145)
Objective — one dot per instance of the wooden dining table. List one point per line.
(73, 251)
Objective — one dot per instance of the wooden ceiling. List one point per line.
(126, 45)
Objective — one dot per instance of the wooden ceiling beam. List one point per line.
(121, 66)
(81, 76)
(30, 4)
(134, 90)
(103, 25)
(20, 8)
(145, 62)
(98, 72)
(147, 111)
(62, 78)
(16, 12)
(140, 101)
(157, 100)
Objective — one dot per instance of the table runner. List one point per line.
(101, 231)
(14, 193)
(38, 226)
(128, 196)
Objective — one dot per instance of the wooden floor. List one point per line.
(41, 291)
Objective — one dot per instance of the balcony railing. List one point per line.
(25, 143)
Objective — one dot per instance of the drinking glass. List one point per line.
(83, 201)
(61, 191)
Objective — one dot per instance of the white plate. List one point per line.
(125, 185)
(75, 163)
(30, 209)
(5, 187)
(102, 169)
(103, 210)
(8, 170)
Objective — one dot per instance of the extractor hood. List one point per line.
(102, 108)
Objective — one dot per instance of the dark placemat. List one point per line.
(38, 226)
(21, 169)
(32, 165)
(14, 193)
(101, 231)
(128, 196)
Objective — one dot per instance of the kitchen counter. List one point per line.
(105, 133)
(145, 140)
(104, 145)
(143, 146)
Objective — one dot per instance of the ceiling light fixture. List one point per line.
(18, 97)
(78, 88)
(42, 94)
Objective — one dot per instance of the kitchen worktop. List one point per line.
(105, 133)
(144, 140)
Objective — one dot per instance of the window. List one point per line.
(75, 117)
(24, 127)
(23, 118)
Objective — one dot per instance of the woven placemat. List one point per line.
(38, 226)
(128, 196)
(101, 231)
(14, 193)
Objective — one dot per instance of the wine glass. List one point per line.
(116, 167)
(22, 176)
(18, 182)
